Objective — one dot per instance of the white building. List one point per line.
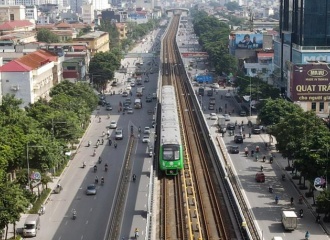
(31, 12)
(12, 13)
(87, 13)
(101, 4)
(30, 77)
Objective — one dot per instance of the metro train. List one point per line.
(171, 151)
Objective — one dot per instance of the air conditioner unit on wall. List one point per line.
(36, 87)
(14, 88)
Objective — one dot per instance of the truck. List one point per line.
(222, 124)
(289, 220)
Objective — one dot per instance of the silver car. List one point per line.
(91, 189)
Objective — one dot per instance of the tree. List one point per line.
(232, 6)
(102, 68)
(12, 203)
(45, 35)
(110, 27)
(272, 111)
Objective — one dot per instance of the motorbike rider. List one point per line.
(301, 213)
(246, 150)
(252, 153)
(276, 199)
(84, 164)
(283, 177)
(94, 153)
(264, 158)
(96, 179)
(89, 143)
(102, 180)
(115, 144)
(261, 168)
(291, 200)
(95, 168)
(74, 213)
(100, 159)
(136, 232)
(257, 149)
(106, 167)
(134, 177)
(307, 235)
(270, 188)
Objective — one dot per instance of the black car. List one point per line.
(238, 139)
(234, 149)
(231, 126)
(242, 113)
(148, 99)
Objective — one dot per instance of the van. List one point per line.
(137, 103)
(31, 225)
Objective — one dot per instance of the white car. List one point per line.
(132, 84)
(128, 88)
(227, 117)
(215, 85)
(146, 139)
(146, 130)
(119, 134)
(228, 95)
(213, 116)
(113, 125)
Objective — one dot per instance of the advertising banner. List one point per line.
(310, 82)
(249, 41)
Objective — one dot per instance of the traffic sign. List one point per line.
(320, 183)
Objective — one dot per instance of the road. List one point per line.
(261, 203)
(93, 211)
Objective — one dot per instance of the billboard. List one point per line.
(204, 79)
(305, 57)
(249, 41)
(310, 82)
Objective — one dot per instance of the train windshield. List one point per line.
(171, 153)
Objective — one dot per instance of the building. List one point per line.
(87, 14)
(11, 13)
(17, 26)
(31, 13)
(303, 40)
(97, 41)
(122, 29)
(30, 77)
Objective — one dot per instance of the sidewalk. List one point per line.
(295, 182)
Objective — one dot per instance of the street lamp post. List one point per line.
(250, 106)
(27, 160)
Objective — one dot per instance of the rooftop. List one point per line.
(12, 25)
(95, 34)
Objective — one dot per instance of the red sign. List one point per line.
(195, 54)
(310, 82)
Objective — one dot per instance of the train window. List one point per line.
(171, 153)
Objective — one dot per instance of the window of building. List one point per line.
(313, 106)
(12, 18)
(321, 106)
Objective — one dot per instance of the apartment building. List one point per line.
(97, 41)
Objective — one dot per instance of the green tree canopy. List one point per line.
(45, 35)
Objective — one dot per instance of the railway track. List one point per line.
(194, 209)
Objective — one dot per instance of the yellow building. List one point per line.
(97, 41)
(122, 29)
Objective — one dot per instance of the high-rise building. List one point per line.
(302, 53)
(307, 20)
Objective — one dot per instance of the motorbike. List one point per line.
(276, 200)
(300, 199)
(134, 177)
(100, 160)
(96, 180)
(89, 144)
(246, 153)
(102, 181)
(261, 168)
(106, 168)
(301, 213)
(74, 214)
(84, 165)
(95, 168)
(283, 177)
(94, 153)
(318, 219)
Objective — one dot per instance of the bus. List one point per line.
(137, 103)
